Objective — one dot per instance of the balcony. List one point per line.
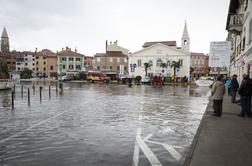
(235, 23)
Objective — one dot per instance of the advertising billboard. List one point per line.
(219, 55)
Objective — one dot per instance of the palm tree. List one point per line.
(163, 65)
(146, 67)
(175, 64)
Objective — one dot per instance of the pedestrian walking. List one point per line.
(245, 92)
(218, 91)
(234, 87)
(228, 85)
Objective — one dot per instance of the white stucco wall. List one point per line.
(67, 63)
(29, 60)
(163, 52)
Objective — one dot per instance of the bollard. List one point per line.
(57, 88)
(49, 91)
(14, 88)
(29, 102)
(12, 99)
(22, 88)
(40, 94)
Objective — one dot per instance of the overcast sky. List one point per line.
(87, 24)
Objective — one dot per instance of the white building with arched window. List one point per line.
(157, 53)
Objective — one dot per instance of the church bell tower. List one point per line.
(5, 41)
(185, 40)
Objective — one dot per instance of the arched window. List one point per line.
(185, 42)
(159, 61)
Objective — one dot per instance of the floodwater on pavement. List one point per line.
(99, 125)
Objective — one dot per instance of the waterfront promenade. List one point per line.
(225, 141)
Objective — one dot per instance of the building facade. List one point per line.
(46, 63)
(239, 27)
(88, 62)
(114, 61)
(16, 60)
(157, 53)
(199, 65)
(25, 60)
(69, 62)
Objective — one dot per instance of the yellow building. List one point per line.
(46, 63)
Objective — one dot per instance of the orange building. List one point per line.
(88, 61)
(46, 63)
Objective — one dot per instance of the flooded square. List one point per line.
(99, 124)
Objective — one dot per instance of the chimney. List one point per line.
(62, 49)
(75, 50)
(36, 50)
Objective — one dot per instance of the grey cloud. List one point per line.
(36, 14)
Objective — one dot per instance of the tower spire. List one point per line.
(185, 33)
(4, 41)
(185, 40)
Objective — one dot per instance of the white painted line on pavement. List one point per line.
(147, 152)
(169, 148)
(136, 150)
(173, 152)
(148, 137)
(48, 119)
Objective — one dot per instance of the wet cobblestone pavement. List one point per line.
(98, 124)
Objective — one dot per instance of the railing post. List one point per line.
(49, 91)
(29, 102)
(33, 88)
(40, 94)
(57, 88)
(22, 90)
(12, 99)
(14, 88)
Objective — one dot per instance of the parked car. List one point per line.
(66, 78)
(146, 80)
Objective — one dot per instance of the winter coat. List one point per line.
(246, 88)
(228, 83)
(218, 90)
(234, 84)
